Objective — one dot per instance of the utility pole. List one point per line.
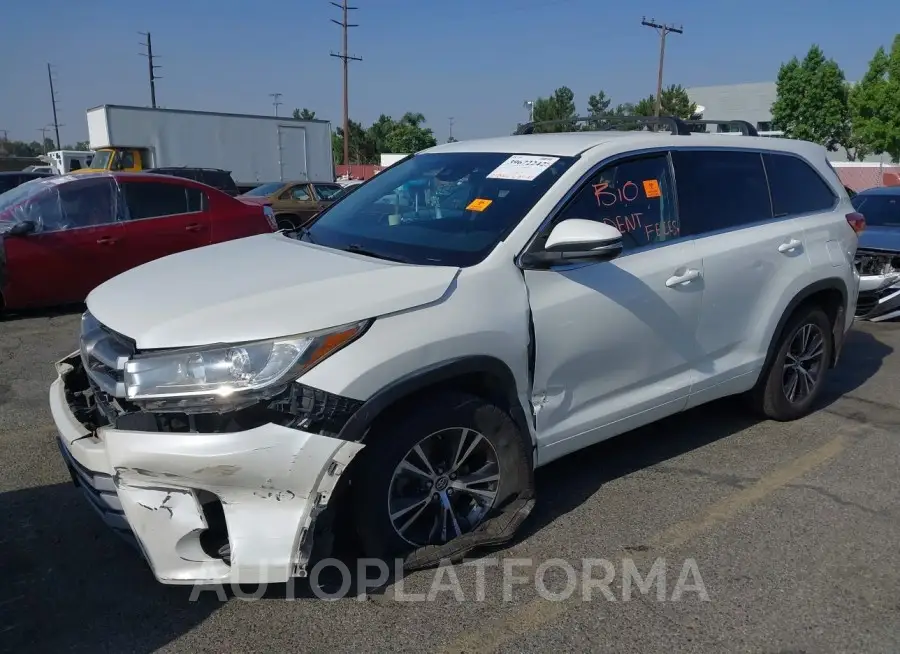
(53, 102)
(450, 134)
(663, 31)
(275, 101)
(5, 135)
(345, 57)
(151, 67)
(43, 131)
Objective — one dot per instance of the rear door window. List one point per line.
(153, 199)
(720, 189)
(796, 188)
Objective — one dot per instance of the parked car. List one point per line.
(60, 237)
(402, 373)
(10, 180)
(295, 203)
(878, 257)
(215, 177)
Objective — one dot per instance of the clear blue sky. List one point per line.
(475, 60)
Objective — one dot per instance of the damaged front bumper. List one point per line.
(204, 508)
(879, 285)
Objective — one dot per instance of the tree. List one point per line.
(674, 101)
(361, 149)
(811, 102)
(598, 106)
(875, 104)
(559, 106)
(408, 134)
(305, 114)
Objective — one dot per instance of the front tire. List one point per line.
(789, 388)
(437, 472)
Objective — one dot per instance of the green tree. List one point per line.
(409, 134)
(875, 104)
(811, 102)
(361, 149)
(559, 106)
(304, 114)
(598, 107)
(674, 101)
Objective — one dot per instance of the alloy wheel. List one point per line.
(444, 486)
(803, 363)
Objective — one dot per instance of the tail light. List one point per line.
(857, 221)
(270, 217)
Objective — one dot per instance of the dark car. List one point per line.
(215, 177)
(878, 254)
(13, 179)
(61, 237)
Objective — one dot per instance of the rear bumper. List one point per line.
(234, 507)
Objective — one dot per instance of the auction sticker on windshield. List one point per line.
(522, 167)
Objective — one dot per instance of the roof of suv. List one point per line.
(569, 144)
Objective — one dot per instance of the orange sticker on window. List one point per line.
(479, 205)
(651, 188)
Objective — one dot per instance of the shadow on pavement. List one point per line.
(30, 314)
(69, 584)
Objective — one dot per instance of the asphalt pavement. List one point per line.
(713, 531)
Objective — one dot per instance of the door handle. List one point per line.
(193, 227)
(791, 245)
(106, 240)
(687, 276)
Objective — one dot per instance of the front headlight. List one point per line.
(221, 371)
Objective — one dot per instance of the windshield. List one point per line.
(265, 189)
(328, 192)
(445, 208)
(101, 159)
(879, 210)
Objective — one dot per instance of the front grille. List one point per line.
(104, 354)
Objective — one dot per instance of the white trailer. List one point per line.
(255, 149)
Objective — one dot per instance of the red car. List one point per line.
(62, 236)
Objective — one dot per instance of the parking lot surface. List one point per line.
(789, 534)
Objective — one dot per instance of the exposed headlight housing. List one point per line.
(225, 372)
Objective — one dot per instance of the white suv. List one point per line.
(473, 312)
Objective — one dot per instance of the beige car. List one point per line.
(295, 203)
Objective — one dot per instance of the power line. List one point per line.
(346, 59)
(151, 67)
(663, 30)
(276, 101)
(53, 102)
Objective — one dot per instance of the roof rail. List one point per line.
(746, 127)
(675, 125)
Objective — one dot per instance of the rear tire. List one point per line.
(287, 222)
(386, 485)
(789, 388)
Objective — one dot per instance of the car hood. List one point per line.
(880, 238)
(255, 200)
(257, 288)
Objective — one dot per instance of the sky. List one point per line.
(476, 61)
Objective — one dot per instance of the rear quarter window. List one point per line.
(796, 187)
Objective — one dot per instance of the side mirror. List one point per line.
(577, 241)
(22, 228)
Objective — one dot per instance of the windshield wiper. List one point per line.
(358, 249)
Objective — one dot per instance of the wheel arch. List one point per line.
(830, 294)
(482, 375)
